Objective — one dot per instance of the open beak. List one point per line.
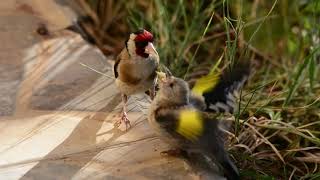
(151, 50)
(162, 76)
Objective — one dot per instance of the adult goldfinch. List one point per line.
(135, 68)
(185, 127)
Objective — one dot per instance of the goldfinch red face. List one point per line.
(141, 43)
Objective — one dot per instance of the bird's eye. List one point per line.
(141, 44)
(171, 85)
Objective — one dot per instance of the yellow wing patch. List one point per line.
(190, 124)
(205, 83)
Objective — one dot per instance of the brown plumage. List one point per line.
(135, 68)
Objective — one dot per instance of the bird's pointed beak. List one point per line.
(162, 76)
(151, 50)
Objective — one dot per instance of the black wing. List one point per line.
(222, 98)
(115, 67)
(203, 135)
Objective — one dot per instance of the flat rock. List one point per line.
(57, 115)
(64, 77)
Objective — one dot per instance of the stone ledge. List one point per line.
(56, 116)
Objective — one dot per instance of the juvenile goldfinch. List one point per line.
(135, 68)
(185, 127)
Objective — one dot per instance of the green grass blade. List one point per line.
(195, 53)
(296, 80)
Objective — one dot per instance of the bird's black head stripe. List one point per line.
(126, 43)
(138, 31)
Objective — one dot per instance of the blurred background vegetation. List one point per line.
(277, 131)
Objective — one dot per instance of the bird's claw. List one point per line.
(124, 118)
(126, 121)
(171, 152)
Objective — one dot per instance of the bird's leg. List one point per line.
(152, 92)
(124, 116)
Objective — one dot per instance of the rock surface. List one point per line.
(57, 116)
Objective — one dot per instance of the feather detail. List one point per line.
(222, 98)
(143, 36)
(205, 84)
(219, 90)
(190, 124)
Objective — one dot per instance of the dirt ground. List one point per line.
(56, 116)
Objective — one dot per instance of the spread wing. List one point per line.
(197, 130)
(189, 124)
(222, 98)
(220, 90)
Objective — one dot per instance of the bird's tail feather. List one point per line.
(230, 170)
